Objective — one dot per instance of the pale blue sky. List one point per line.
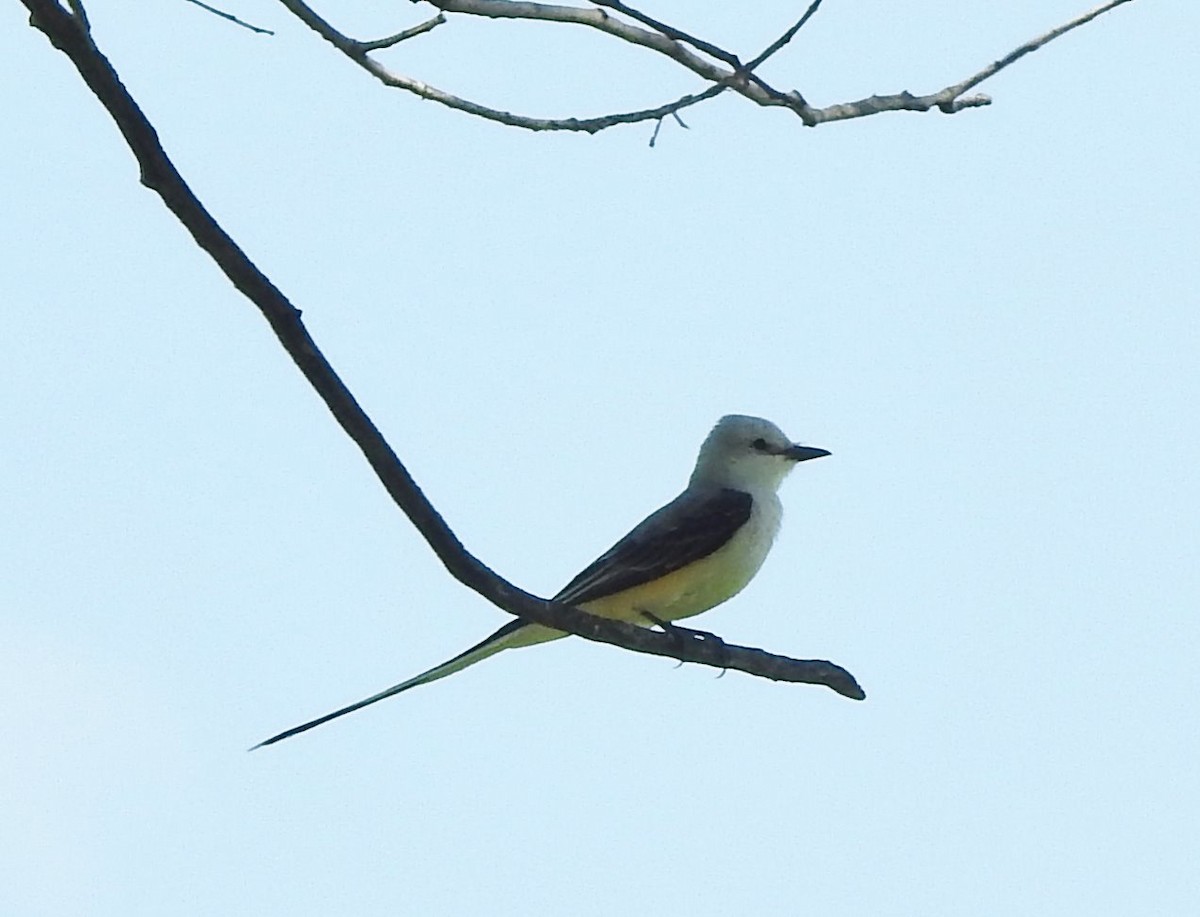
(990, 319)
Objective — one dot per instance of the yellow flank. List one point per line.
(685, 592)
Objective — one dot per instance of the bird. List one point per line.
(694, 553)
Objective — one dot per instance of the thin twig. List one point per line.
(671, 32)
(707, 47)
(1028, 47)
(951, 99)
(380, 43)
(232, 18)
(658, 126)
(786, 36)
(654, 136)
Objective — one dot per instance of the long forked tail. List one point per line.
(513, 634)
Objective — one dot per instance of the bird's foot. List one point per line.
(683, 634)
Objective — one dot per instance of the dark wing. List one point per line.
(682, 532)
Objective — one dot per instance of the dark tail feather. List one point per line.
(515, 633)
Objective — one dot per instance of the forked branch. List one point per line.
(721, 69)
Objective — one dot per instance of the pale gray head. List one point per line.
(748, 453)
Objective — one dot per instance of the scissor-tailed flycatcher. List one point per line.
(697, 551)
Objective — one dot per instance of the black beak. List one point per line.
(803, 453)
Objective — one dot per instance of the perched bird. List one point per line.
(696, 552)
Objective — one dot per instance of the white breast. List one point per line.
(727, 571)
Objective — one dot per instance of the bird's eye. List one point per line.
(760, 444)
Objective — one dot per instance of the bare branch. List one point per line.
(874, 105)
(671, 32)
(699, 44)
(232, 18)
(357, 52)
(427, 26)
(669, 41)
(786, 36)
(1016, 54)
(159, 174)
(592, 18)
(509, 9)
(951, 99)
